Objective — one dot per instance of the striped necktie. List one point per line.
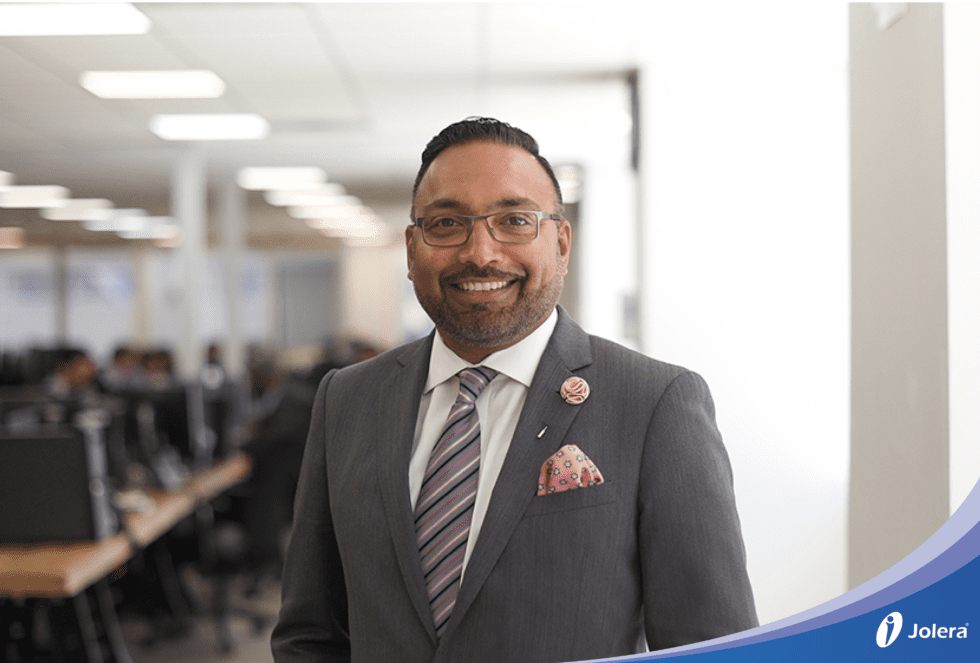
(444, 507)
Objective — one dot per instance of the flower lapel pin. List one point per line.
(575, 390)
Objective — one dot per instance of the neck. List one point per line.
(471, 354)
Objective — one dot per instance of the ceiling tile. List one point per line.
(396, 40)
(16, 69)
(115, 52)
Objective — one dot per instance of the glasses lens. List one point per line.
(514, 226)
(509, 227)
(444, 230)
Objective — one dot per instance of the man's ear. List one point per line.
(410, 249)
(565, 243)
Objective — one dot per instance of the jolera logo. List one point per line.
(891, 626)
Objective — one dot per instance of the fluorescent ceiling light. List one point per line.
(191, 84)
(155, 227)
(352, 219)
(71, 18)
(321, 195)
(231, 126)
(339, 206)
(278, 178)
(368, 234)
(119, 220)
(12, 238)
(24, 197)
(79, 209)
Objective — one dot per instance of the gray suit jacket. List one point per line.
(652, 556)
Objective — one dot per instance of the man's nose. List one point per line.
(481, 248)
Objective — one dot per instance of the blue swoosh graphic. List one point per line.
(947, 565)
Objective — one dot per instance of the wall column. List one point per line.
(899, 478)
(189, 204)
(234, 222)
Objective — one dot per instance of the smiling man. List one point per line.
(508, 488)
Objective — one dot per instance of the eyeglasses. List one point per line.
(510, 227)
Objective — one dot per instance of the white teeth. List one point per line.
(480, 285)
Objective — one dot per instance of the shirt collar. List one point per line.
(518, 362)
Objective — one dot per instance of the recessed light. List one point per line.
(78, 209)
(118, 220)
(191, 84)
(155, 227)
(71, 18)
(344, 217)
(256, 178)
(32, 196)
(230, 126)
(340, 205)
(321, 195)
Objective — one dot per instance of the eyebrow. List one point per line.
(504, 203)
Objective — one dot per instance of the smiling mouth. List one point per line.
(481, 286)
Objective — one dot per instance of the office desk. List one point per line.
(62, 570)
(66, 570)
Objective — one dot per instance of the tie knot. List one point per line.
(473, 380)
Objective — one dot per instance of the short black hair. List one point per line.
(488, 130)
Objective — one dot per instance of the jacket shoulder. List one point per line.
(364, 374)
(616, 358)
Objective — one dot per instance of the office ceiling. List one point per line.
(354, 88)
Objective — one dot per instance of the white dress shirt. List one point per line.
(498, 407)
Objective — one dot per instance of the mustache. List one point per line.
(474, 272)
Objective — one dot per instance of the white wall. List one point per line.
(106, 307)
(899, 475)
(961, 26)
(26, 299)
(746, 183)
(163, 301)
(377, 302)
(101, 299)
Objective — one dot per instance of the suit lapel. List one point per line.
(398, 408)
(567, 351)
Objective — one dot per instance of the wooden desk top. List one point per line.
(65, 569)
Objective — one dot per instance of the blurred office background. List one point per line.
(781, 196)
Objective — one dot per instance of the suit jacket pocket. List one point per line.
(579, 498)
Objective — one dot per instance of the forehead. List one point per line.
(480, 176)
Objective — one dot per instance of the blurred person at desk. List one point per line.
(157, 370)
(509, 488)
(74, 375)
(124, 370)
(274, 439)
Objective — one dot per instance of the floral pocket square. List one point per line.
(569, 468)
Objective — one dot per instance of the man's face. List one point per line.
(79, 372)
(485, 295)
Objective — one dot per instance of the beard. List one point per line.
(487, 326)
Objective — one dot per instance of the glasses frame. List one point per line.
(539, 215)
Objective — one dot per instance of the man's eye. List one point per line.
(516, 220)
(443, 223)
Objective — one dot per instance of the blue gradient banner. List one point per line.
(921, 609)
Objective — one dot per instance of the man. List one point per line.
(74, 375)
(593, 513)
(275, 441)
